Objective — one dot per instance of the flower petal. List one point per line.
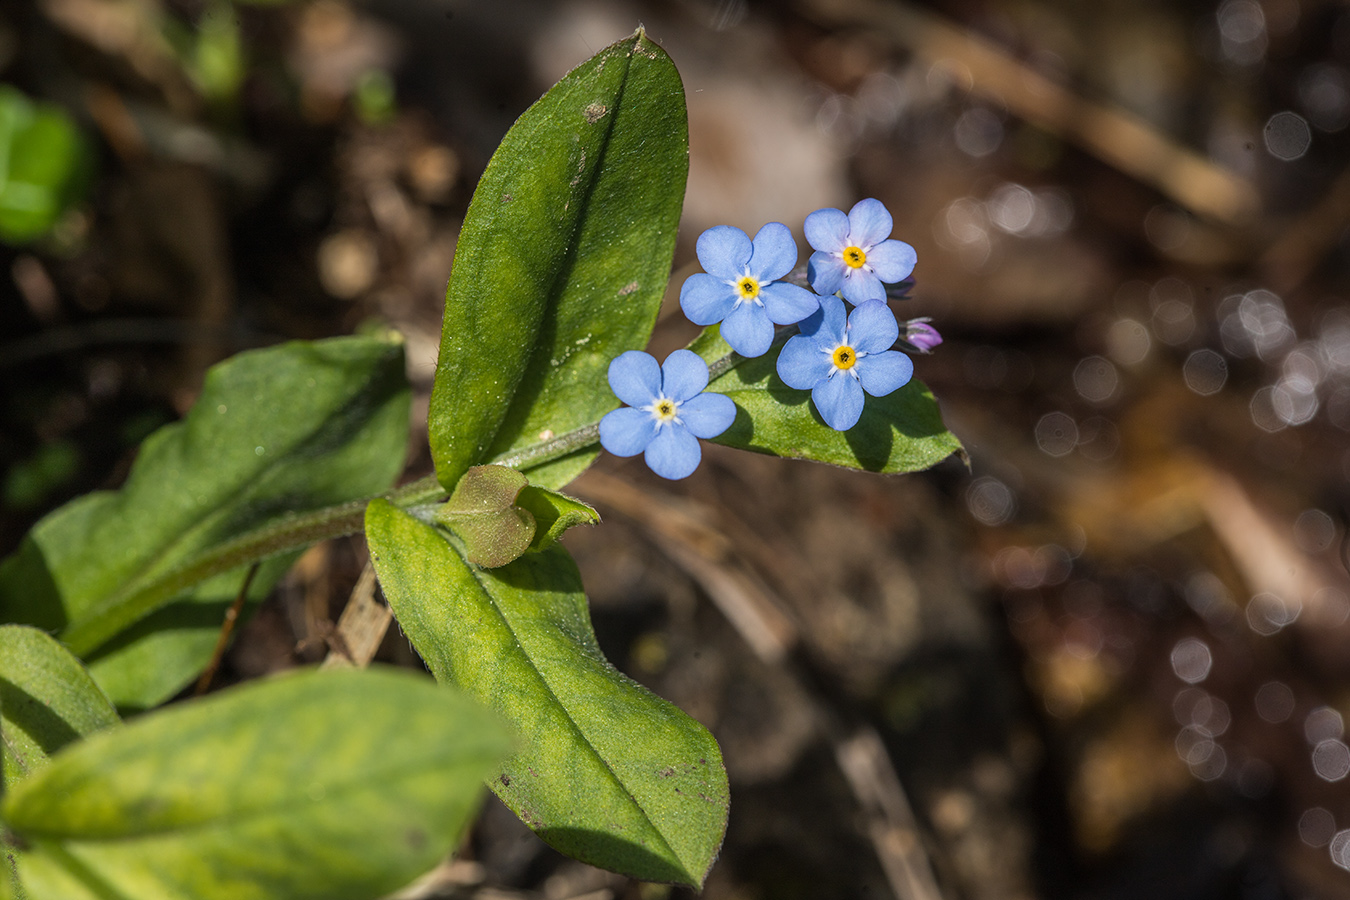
(802, 364)
(708, 415)
(706, 299)
(868, 223)
(892, 260)
(881, 373)
(683, 375)
(826, 272)
(627, 431)
(827, 230)
(775, 253)
(839, 400)
(723, 251)
(786, 303)
(872, 327)
(635, 377)
(748, 330)
(829, 329)
(673, 453)
(861, 285)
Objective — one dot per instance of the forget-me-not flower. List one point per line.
(667, 411)
(853, 255)
(739, 286)
(838, 357)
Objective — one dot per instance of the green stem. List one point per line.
(140, 599)
(293, 532)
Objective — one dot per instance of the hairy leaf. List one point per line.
(562, 261)
(47, 700)
(553, 514)
(275, 433)
(324, 785)
(482, 512)
(607, 772)
(900, 432)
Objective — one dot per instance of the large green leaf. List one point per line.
(562, 261)
(47, 700)
(275, 433)
(607, 772)
(324, 785)
(901, 432)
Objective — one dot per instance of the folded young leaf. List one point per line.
(606, 772)
(900, 432)
(324, 785)
(553, 513)
(276, 433)
(482, 512)
(562, 261)
(47, 700)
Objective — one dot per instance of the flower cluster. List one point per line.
(838, 356)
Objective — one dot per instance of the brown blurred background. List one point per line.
(1106, 660)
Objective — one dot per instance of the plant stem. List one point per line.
(139, 599)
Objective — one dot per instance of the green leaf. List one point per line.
(47, 700)
(482, 512)
(553, 514)
(562, 261)
(324, 785)
(607, 772)
(42, 158)
(276, 433)
(901, 432)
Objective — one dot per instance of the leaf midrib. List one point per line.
(567, 713)
(160, 565)
(286, 806)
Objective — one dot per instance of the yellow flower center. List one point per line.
(665, 409)
(854, 256)
(845, 357)
(748, 288)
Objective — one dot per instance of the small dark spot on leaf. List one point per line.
(667, 772)
(702, 761)
(505, 780)
(507, 198)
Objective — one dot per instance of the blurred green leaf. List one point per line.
(47, 700)
(324, 785)
(218, 65)
(42, 154)
(901, 432)
(607, 772)
(375, 98)
(562, 261)
(276, 433)
(30, 481)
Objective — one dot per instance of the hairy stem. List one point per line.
(139, 599)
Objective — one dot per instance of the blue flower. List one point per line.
(739, 286)
(853, 255)
(837, 359)
(667, 411)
